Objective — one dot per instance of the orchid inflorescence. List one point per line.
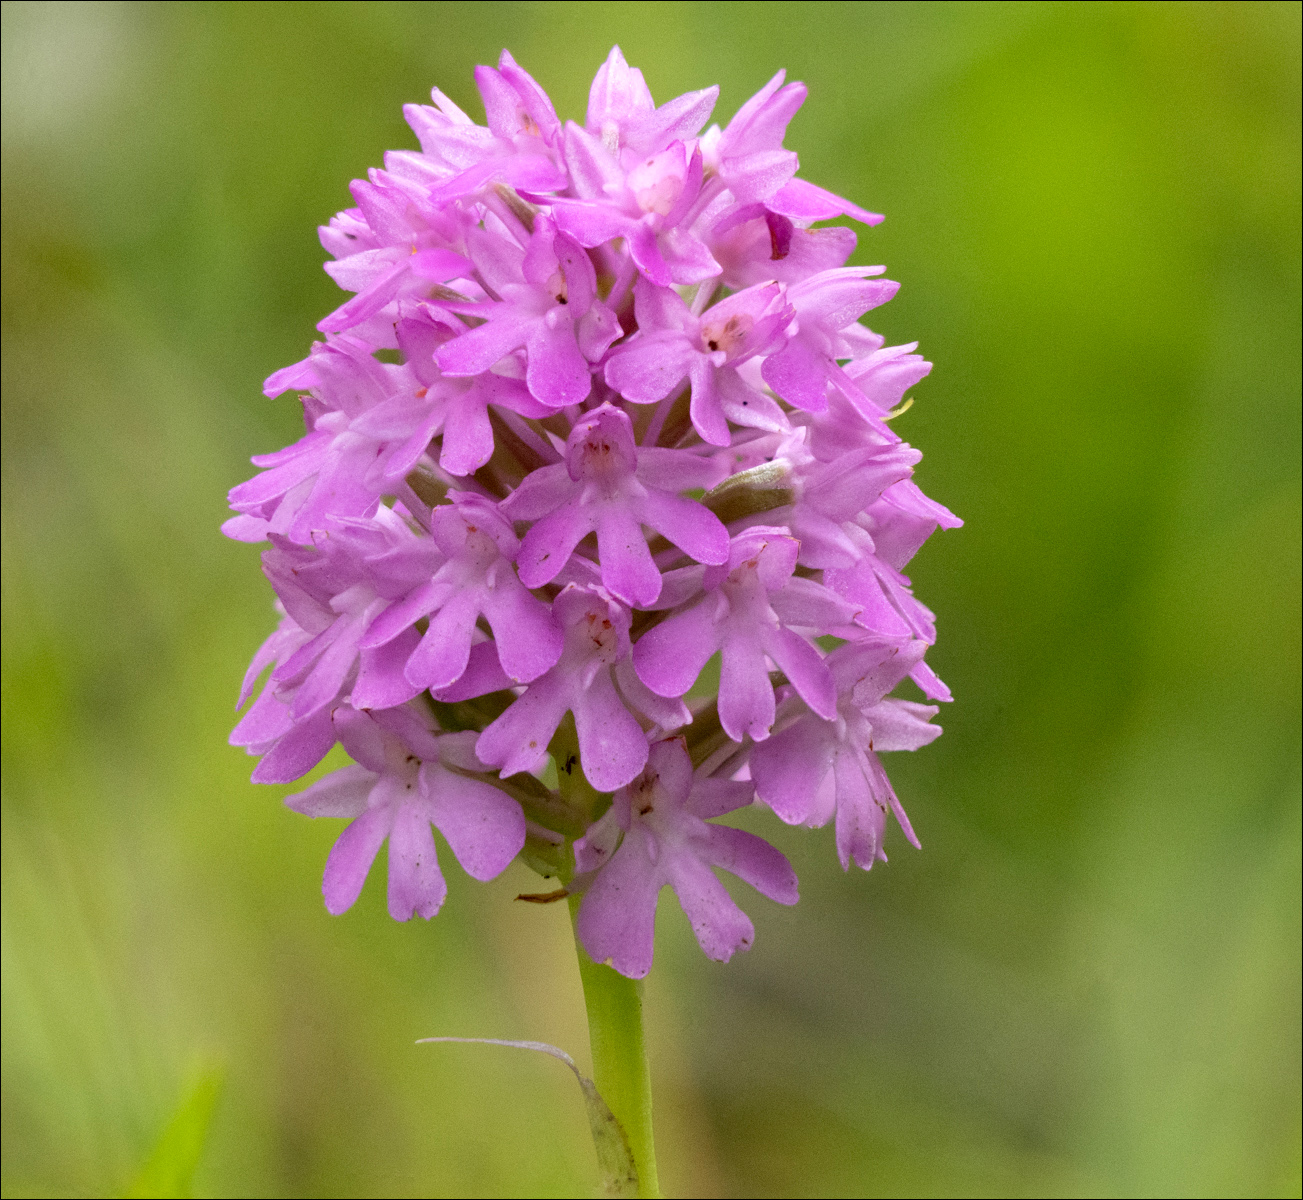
(600, 408)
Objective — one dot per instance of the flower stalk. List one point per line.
(615, 1033)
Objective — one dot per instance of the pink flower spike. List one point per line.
(666, 840)
(601, 488)
(477, 524)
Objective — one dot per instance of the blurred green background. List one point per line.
(1088, 981)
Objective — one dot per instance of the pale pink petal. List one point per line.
(790, 766)
(483, 825)
(342, 793)
(754, 860)
(351, 857)
(416, 885)
(721, 927)
(612, 745)
(902, 725)
(617, 920)
(518, 739)
(627, 568)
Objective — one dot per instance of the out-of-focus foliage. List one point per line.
(1087, 982)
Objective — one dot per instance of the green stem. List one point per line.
(620, 1072)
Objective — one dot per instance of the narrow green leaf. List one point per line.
(614, 1157)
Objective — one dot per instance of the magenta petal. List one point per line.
(799, 375)
(483, 674)
(627, 568)
(295, 754)
(416, 885)
(590, 224)
(881, 788)
(327, 676)
(363, 738)
(670, 656)
(617, 920)
(806, 202)
(519, 737)
(557, 373)
(380, 680)
(647, 254)
(483, 825)
(789, 767)
(715, 796)
(478, 349)
(267, 719)
(706, 409)
(528, 639)
(754, 860)
(441, 657)
(930, 683)
(467, 434)
(548, 545)
(540, 492)
(746, 697)
(612, 745)
(668, 714)
(397, 617)
(351, 857)
(675, 470)
(721, 927)
(650, 367)
(804, 666)
(692, 527)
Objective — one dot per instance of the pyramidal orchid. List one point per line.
(601, 408)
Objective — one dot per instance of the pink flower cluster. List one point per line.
(601, 407)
